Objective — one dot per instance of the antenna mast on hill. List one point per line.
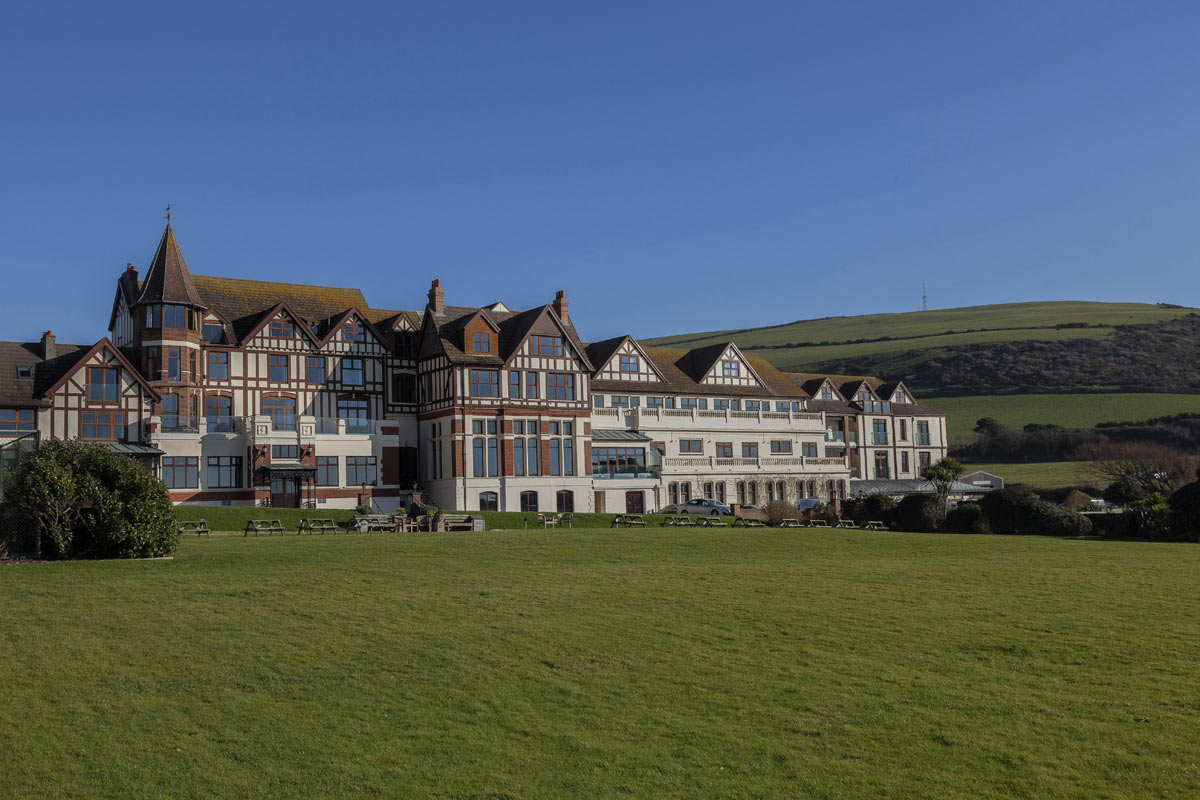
(924, 299)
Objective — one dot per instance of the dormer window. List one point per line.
(24, 372)
(863, 396)
(629, 363)
(731, 369)
(353, 332)
(283, 329)
(827, 393)
(901, 397)
(103, 385)
(481, 342)
(214, 332)
(547, 346)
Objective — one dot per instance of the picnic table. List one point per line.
(372, 522)
(710, 522)
(818, 523)
(270, 526)
(745, 522)
(679, 521)
(874, 525)
(311, 525)
(846, 523)
(628, 521)
(196, 526)
(793, 523)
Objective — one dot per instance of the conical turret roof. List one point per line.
(168, 279)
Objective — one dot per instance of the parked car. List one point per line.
(703, 506)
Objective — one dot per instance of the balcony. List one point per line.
(180, 423)
(923, 440)
(879, 438)
(711, 464)
(650, 419)
(639, 472)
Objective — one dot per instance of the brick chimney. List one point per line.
(560, 305)
(437, 297)
(49, 351)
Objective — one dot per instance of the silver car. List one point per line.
(703, 506)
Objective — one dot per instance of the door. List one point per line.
(635, 502)
(284, 491)
(599, 502)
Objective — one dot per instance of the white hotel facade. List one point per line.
(250, 392)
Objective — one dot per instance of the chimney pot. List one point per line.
(560, 305)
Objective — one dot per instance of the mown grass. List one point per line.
(1013, 316)
(1067, 410)
(599, 663)
(1042, 475)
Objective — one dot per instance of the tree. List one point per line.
(942, 475)
(80, 500)
(1139, 470)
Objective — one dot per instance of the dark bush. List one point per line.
(918, 513)
(873, 507)
(1185, 512)
(966, 518)
(1065, 522)
(76, 500)
(1012, 510)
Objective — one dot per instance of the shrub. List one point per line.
(778, 510)
(1013, 510)
(76, 500)
(1065, 522)
(872, 507)
(966, 518)
(918, 513)
(1185, 512)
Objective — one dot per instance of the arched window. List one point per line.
(529, 501)
(708, 490)
(841, 490)
(282, 411)
(720, 491)
(673, 493)
(780, 494)
(741, 493)
(489, 501)
(685, 492)
(564, 500)
(800, 495)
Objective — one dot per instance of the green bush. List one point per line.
(1065, 522)
(76, 500)
(1013, 510)
(918, 513)
(966, 518)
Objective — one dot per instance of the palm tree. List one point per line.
(942, 475)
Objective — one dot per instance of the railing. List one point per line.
(737, 462)
(763, 462)
(835, 436)
(180, 423)
(605, 472)
(219, 424)
(923, 441)
(359, 425)
(879, 438)
(606, 412)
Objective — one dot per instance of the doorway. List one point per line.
(285, 491)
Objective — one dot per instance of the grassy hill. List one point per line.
(899, 340)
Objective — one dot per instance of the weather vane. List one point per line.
(168, 213)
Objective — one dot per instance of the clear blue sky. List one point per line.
(673, 166)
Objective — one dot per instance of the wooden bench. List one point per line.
(314, 525)
(365, 523)
(196, 526)
(744, 522)
(270, 526)
(711, 522)
(457, 522)
(874, 525)
(679, 521)
(628, 521)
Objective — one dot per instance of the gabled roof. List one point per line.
(87, 355)
(514, 328)
(167, 279)
(260, 321)
(600, 353)
(237, 298)
(812, 381)
(337, 322)
(16, 391)
(678, 369)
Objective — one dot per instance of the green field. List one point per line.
(1067, 410)
(597, 663)
(1011, 316)
(1042, 475)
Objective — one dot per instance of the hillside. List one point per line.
(1012, 347)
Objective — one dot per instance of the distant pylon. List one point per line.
(924, 299)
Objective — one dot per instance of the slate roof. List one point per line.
(614, 435)
(27, 392)
(811, 382)
(167, 280)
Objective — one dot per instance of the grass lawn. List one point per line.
(1043, 475)
(598, 663)
(1067, 410)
